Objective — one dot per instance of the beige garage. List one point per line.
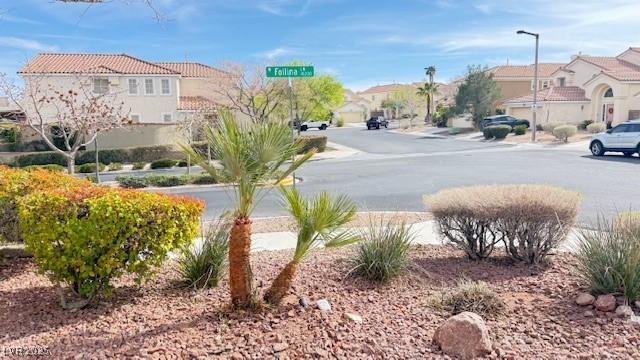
(352, 113)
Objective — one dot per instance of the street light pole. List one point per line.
(535, 84)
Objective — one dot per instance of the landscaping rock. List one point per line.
(464, 335)
(289, 300)
(353, 317)
(323, 305)
(638, 304)
(279, 347)
(605, 303)
(624, 311)
(585, 299)
(303, 301)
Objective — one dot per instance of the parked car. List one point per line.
(377, 122)
(317, 124)
(502, 120)
(624, 138)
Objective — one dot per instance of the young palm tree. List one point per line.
(250, 155)
(429, 90)
(318, 220)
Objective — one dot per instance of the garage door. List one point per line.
(352, 116)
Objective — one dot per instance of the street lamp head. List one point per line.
(520, 32)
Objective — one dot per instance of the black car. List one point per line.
(502, 120)
(377, 122)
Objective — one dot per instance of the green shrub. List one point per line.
(454, 131)
(132, 182)
(182, 163)
(564, 132)
(15, 184)
(486, 132)
(539, 127)
(319, 142)
(151, 153)
(50, 167)
(90, 168)
(44, 158)
(85, 237)
(116, 166)
(166, 181)
(10, 133)
(548, 127)
(202, 265)
(531, 220)
(163, 164)
(584, 124)
(520, 129)
(596, 128)
(202, 179)
(106, 156)
(139, 165)
(499, 131)
(473, 296)
(609, 258)
(340, 121)
(384, 250)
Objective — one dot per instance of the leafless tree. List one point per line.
(193, 124)
(158, 15)
(75, 114)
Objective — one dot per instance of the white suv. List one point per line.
(624, 138)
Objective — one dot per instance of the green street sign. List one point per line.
(289, 71)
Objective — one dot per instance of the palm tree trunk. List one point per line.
(281, 284)
(240, 275)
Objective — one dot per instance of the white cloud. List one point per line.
(275, 53)
(25, 44)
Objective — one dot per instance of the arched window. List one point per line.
(608, 93)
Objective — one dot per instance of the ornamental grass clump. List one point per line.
(564, 132)
(609, 257)
(473, 296)
(384, 251)
(202, 265)
(530, 220)
(84, 237)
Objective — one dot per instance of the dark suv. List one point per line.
(377, 122)
(502, 120)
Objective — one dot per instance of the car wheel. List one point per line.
(323, 127)
(596, 148)
(627, 154)
(303, 128)
(386, 126)
(377, 127)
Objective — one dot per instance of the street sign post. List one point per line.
(290, 72)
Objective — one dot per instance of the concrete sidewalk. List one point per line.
(425, 234)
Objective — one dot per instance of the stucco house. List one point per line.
(354, 108)
(156, 95)
(517, 80)
(598, 88)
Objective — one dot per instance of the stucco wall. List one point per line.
(570, 113)
(631, 56)
(511, 89)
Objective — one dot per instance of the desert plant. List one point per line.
(202, 179)
(585, 124)
(317, 221)
(520, 129)
(340, 121)
(203, 265)
(250, 153)
(609, 258)
(486, 132)
(564, 132)
(309, 142)
(139, 165)
(531, 220)
(132, 182)
(115, 166)
(166, 180)
(548, 127)
(163, 164)
(539, 127)
(596, 127)
(90, 168)
(384, 251)
(50, 167)
(499, 131)
(473, 296)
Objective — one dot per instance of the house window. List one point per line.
(608, 93)
(167, 117)
(165, 87)
(562, 82)
(135, 118)
(148, 86)
(545, 84)
(100, 86)
(133, 86)
(532, 85)
(373, 98)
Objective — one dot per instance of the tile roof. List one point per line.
(196, 103)
(554, 93)
(48, 63)
(382, 88)
(616, 68)
(192, 69)
(506, 71)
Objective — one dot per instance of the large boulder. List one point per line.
(464, 335)
(585, 299)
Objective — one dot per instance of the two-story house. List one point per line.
(518, 80)
(156, 96)
(599, 88)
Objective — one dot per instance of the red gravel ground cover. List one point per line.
(162, 320)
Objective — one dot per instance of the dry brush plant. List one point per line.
(318, 220)
(473, 296)
(530, 220)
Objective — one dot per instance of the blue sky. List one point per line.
(362, 42)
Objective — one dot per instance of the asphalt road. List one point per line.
(393, 172)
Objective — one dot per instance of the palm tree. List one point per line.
(429, 91)
(431, 72)
(250, 155)
(318, 220)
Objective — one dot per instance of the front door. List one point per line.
(609, 114)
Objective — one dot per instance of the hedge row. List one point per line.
(138, 182)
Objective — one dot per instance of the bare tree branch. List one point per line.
(158, 15)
